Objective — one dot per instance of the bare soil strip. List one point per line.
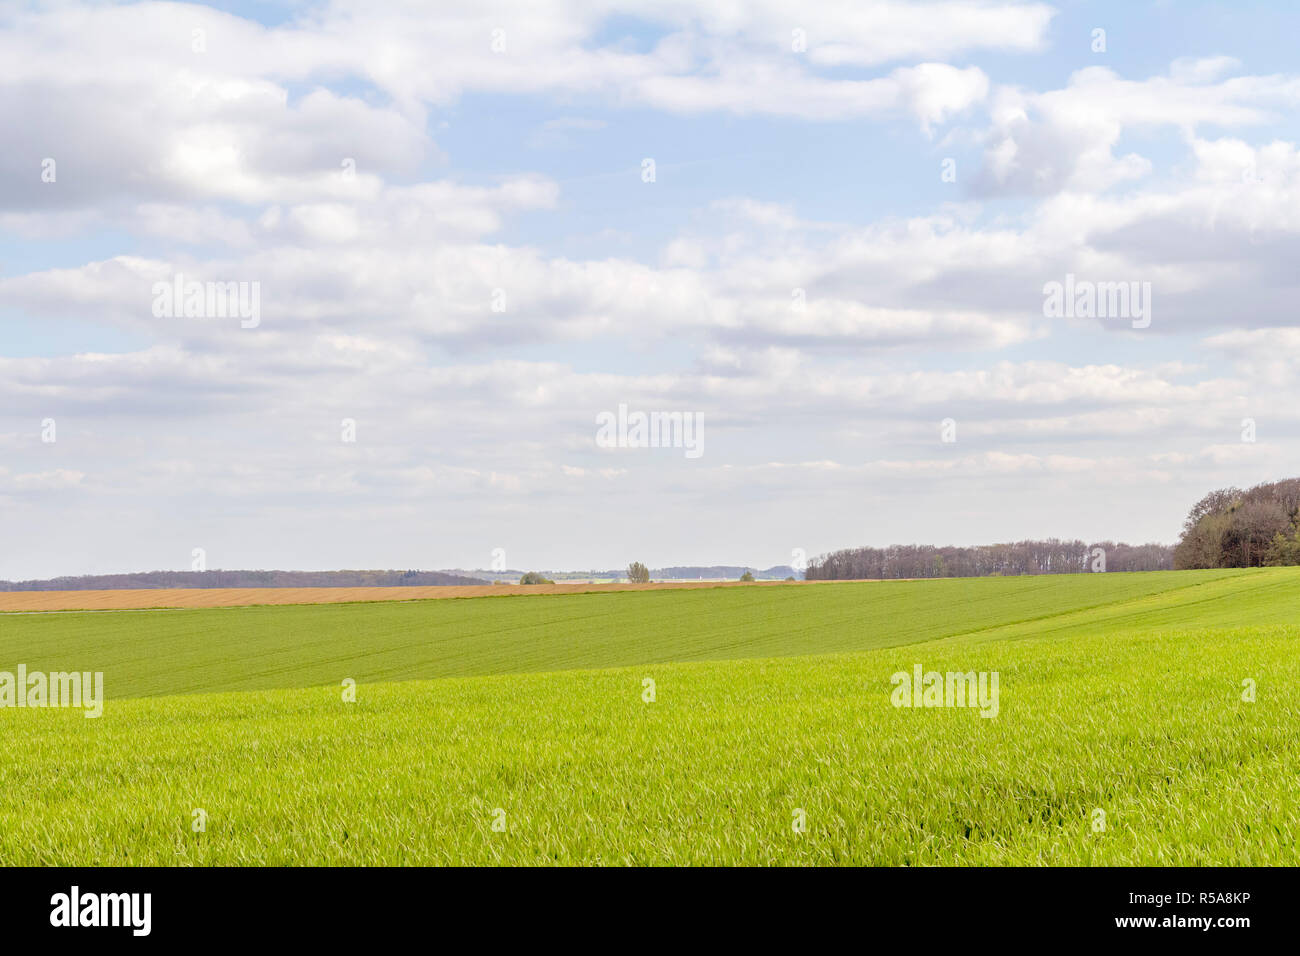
(129, 599)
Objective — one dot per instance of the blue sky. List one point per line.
(1168, 158)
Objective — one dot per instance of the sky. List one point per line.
(459, 237)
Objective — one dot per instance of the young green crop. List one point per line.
(1151, 729)
(1163, 707)
(186, 651)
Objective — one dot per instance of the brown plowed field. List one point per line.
(121, 600)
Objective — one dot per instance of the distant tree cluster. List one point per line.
(638, 573)
(1231, 528)
(534, 577)
(1020, 557)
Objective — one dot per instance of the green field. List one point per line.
(1118, 693)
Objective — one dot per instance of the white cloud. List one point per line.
(1041, 143)
(822, 351)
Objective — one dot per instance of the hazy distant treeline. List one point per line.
(1231, 528)
(1020, 557)
(725, 571)
(241, 579)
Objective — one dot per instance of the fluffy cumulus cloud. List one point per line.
(438, 323)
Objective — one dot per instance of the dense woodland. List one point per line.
(1231, 528)
(1228, 528)
(1020, 557)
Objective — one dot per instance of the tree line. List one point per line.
(1231, 528)
(242, 579)
(1051, 556)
